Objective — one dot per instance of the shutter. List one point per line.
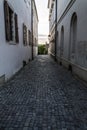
(7, 23)
(33, 41)
(16, 29)
(26, 35)
(23, 34)
(29, 38)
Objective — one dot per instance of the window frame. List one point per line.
(8, 29)
(25, 35)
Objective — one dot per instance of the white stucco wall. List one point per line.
(66, 8)
(80, 7)
(12, 56)
(35, 28)
(61, 6)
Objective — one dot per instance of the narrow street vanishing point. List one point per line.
(43, 96)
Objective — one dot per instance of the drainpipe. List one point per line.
(32, 27)
(55, 30)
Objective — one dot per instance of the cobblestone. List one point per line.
(43, 96)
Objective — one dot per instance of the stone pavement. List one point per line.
(43, 96)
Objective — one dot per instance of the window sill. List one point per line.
(12, 43)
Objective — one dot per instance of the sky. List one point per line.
(43, 14)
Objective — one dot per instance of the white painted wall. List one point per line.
(35, 28)
(62, 4)
(65, 12)
(80, 7)
(12, 56)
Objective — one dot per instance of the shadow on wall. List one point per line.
(42, 49)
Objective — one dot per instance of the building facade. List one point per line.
(15, 36)
(34, 29)
(67, 34)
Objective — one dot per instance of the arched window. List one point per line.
(73, 33)
(62, 42)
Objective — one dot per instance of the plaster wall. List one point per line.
(12, 56)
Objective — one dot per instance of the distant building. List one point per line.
(68, 34)
(42, 39)
(16, 35)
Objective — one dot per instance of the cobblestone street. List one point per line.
(43, 96)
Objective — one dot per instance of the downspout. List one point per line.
(56, 31)
(32, 28)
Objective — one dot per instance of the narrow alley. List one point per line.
(43, 96)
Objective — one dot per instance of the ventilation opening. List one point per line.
(60, 63)
(24, 63)
(70, 68)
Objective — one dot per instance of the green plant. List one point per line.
(42, 50)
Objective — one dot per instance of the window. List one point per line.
(35, 42)
(25, 36)
(11, 24)
(29, 37)
(73, 36)
(16, 29)
(62, 42)
(57, 44)
(73, 32)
